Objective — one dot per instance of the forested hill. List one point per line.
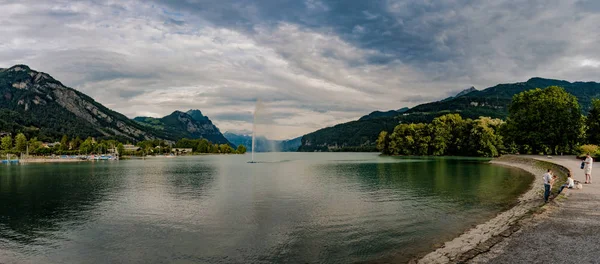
(191, 124)
(379, 114)
(36, 104)
(493, 102)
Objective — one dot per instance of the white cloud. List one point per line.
(316, 5)
(590, 63)
(141, 58)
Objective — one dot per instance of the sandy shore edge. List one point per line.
(482, 237)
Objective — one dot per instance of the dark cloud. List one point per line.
(315, 62)
(128, 94)
(174, 22)
(588, 6)
(407, 32)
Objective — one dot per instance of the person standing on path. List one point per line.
(588, 168)
(547, 183)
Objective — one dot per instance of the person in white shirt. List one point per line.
(569, 184)
(547, 184)
(588, 168)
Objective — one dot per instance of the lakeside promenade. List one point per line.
(568, 233)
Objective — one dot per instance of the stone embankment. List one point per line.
(566, 233)
(484, 237)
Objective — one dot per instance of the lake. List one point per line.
(288, 208)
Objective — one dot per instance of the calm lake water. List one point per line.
(291, 208)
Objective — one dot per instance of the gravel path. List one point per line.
(568, 234)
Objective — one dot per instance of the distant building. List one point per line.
(50, 145)
(182, 150)
(129, 147)
(3, 134)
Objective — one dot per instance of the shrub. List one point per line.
(589, 148)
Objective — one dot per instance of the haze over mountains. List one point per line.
(262, 143)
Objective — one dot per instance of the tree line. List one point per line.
(446, 135)
(76, 146)
(205, 146)
(540, 121)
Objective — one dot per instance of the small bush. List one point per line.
(589, 148)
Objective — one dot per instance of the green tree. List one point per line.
(186, 143)
(147, 146)
(593, 123)
(87, 146)
(241, 149)
(585, 149)
(448, 135)
(20, 142)
(410, 139)
(101, 148)
(34, 145)
(203, 146)
(120, 149)
(383, 143)
(75, 143)
(401, 140)
(7, 143)
(545, 120)
(225, 149)
(214, 148)
(64, 143)
(484, 139)
(422, 139)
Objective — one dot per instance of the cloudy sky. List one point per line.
(314, 63)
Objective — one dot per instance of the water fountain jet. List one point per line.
(261, 124)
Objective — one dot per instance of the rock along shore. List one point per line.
(481, 238)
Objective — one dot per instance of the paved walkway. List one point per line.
(570, 234)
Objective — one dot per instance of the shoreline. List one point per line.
(42, 160)
(61, 160)
(483, 237)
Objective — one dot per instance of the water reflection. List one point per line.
(37, 200)
(311, 208)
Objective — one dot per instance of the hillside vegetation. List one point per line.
(492, 102)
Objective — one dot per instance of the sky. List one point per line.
(313, 63)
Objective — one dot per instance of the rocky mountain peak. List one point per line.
(466, 91)
(19, 67)
(47, 102)
(177, 113)
(191, 124)
(198, 116)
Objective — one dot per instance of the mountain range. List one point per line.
(360, 135)
(40, 106)
(191, 124)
